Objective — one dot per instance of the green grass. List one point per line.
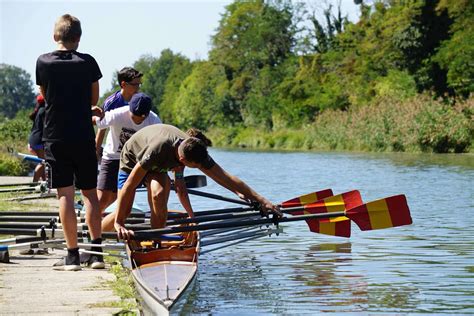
(122, 287)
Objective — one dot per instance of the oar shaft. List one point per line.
(19, 184)
(217, 197)
(150, 234)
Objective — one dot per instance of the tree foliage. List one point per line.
(16, 90)
(279, 64)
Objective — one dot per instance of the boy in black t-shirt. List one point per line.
(69, 82)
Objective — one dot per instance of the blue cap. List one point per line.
(140, 104)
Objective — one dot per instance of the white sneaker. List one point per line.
(61, 266)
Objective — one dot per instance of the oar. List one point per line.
(17, 240)
(31, 184)
(205, 216)
(384, 213)
(218, 197)
(297, 201)
(27, 157)
(335, 227)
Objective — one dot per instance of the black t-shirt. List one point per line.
(37, 129)
(67, 78)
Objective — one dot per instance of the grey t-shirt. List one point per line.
(154, 147)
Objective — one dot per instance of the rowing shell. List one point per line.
(162, 270)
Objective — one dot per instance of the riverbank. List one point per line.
(29, 285)
(417, 125)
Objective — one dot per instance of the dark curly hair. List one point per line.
(127, 74)
(195, 147)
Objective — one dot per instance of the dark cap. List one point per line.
(140, 104)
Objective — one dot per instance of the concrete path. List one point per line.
(29, 285)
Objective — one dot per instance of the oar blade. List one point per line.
(338, 226)
(307, 198)
(384, 213)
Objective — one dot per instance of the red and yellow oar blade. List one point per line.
(384, 213)
(338, 226)
(336, 203)
(307, 198)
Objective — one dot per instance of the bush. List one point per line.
(416, 124)
(11, 166)
(444, 129)
(15, 134)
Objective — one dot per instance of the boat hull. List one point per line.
(162, 274)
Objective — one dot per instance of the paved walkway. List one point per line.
(28, 285)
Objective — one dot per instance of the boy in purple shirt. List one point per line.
(129, 80)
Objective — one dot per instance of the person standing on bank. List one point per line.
(35, 140)
(129, 80)
(153, 151)
(123, 122)
(69, 82)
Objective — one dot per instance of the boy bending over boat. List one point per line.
(147, 157)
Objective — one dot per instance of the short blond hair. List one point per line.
(67, 29)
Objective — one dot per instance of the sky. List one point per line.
(116, 32)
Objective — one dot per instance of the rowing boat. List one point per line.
(162, 270)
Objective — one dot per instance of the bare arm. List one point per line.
(181, 190)
(125, 200)
(95, 93)
(239, 187)
(99, 138)
(42, 92)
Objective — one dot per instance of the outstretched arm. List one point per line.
(125, 200)
(239, 187)
(181, 190)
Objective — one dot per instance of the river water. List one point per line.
(427, 267)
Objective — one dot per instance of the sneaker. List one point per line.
(96, 262)
(70, 263)
(84, 257)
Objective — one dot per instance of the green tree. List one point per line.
(154, 79)
(252, 34)
(456, 54)
(252, 39)
(16, 90)
(322, 35)
(203, 99)
(182, 68)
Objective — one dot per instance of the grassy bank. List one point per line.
(420, 124)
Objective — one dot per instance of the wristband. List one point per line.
(178, 175)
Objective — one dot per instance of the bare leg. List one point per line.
(39, 169)
(93, 216)
(159, 187)
(108, 222)
(68, 215)
(106, 197)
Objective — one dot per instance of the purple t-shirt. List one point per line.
(114, 101)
